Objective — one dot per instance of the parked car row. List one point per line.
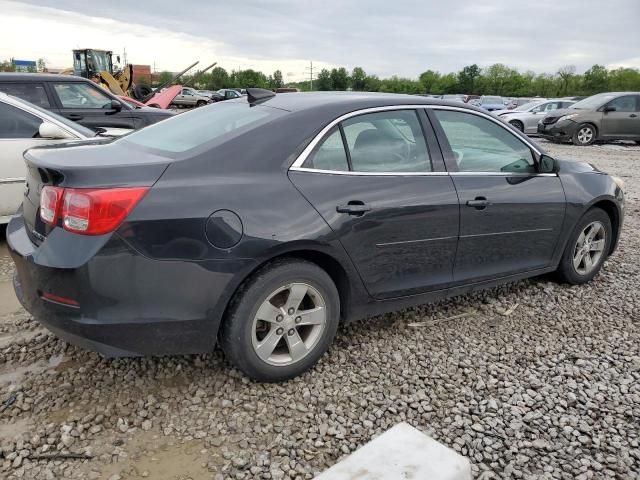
(582, 121)
(605, 116)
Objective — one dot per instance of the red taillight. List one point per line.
(50, 202)
(91, 211)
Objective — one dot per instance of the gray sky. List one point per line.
(384, 37)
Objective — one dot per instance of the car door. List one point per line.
(18, 132)
(510, 215)
(89, 105)
(620, 118)
(383, 190)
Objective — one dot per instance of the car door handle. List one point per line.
(74, 116)
(354, 207)
(633, 115)
(479, 203)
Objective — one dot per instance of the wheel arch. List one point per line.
(611, 209)
(321, 256)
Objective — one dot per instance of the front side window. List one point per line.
(31, 92)
(16, 123)
(81, 95)
(480, 145)
(626, 103)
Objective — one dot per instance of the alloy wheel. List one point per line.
(589, 248)
(585, 135)
(288, 324)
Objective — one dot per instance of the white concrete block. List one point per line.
(401, 453)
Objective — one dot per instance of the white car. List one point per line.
(23, 126)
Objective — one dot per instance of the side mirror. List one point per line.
(547, 164)
(52, 131)
(116, 105)
(609, 108)
(118, 58)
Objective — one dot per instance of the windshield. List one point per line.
(222, 121)
(66, 122)
(527, 106)
(98, 61)
(596, 101)
(492, 100)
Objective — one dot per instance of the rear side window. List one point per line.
(330, 154)
(16, 123)
(203, 125)
(31, 92)
(381, 142)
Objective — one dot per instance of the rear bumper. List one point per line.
(128, 304)
(561, 131)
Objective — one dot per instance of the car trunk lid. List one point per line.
(83, 166)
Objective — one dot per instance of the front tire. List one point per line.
(587, 249)
(585, 135)
(518, 125)
(281, 321)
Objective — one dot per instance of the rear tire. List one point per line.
(575, 268)
(518, 125)
(271, 336)
(200, 103)
(585, 135)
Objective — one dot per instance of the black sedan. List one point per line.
(261, 223)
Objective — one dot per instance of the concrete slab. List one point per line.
(401, 453)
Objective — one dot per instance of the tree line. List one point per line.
(497, 79)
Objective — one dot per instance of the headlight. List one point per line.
(568, 117)
(618, 181)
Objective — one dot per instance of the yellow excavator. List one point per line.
(98, 66)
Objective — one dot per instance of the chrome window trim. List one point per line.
(366, 174)
(296, 166)
(8, 180)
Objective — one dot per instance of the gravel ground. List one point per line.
(532, 380)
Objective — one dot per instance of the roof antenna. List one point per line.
(254, 95)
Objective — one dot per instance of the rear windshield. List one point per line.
(189, 130)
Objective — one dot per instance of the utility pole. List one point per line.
(310, 70)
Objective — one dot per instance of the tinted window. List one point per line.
(626, 103)
(16, 123)
(197, 127)
(330, 154)
(387, 142)
(31, 92)
(480, 145)
(81, 95)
